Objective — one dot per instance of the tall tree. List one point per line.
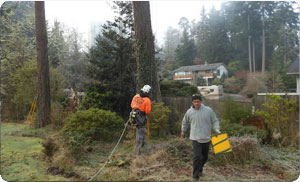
(112, 60)
(171, 40)
(17, 34)
(144, 46)
(263, 59)
(57, 47)
(43, 66)
(186, 50)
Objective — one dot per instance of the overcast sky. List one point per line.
(79, 14)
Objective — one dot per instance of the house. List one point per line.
(202, 74)
(294, 70)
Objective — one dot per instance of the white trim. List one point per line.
(277, 93)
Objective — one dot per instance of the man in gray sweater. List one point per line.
(201, 118)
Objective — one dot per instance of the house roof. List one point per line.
(294, 67)
(200, 67)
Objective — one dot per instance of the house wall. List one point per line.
(223, 70)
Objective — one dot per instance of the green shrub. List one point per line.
(235, 112)
(235, 129)
(158, 119)
(177, 88)
(96, 99)
(276, 114)
(93, 124)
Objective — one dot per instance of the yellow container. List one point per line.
(220, 144)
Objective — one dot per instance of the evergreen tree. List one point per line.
(57, 47)
(17, 36)
(112, 61)
(185, 52)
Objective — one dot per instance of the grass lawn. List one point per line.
(168, 159)
(21, 157)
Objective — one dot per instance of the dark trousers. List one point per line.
(200, 157)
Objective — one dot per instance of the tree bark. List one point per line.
(249, 46)
(263, 44)
(43, 117)
(253, 57)
(144, 49)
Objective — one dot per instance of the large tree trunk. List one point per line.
(43, 117)
(253, 57)
(263, 44)
(144, 49)
(249, 46)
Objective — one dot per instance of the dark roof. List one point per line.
(294, 68)
(200, 67)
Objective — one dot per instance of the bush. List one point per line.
(84, 127)
(24, 83)
(238, 130)
(277, 114)
(235, 112)
(97, 99)
(158, 119)
(177, 88)
(232, 85)
(95, 124)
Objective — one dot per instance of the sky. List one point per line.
(79, 14)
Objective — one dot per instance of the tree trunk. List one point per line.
(253, 57)
(249, 46)
(43, 117)
(144, 49)
(263, 44)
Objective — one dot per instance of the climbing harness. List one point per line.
(110, 153)
(30, 116)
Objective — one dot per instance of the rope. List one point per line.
(110, 153)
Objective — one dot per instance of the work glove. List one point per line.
(217, 131)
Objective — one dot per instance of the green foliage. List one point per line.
(93, 124)
(97, 98)
(276, 114)
(217, 81)
(24, 82)
(185, 52)
(72, 63)
(57, 47)
(235, 129)
(177, 88)
(232, 85)
(234, 66)
(235, 112)
(158, 119)
(112, 62)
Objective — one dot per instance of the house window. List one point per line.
(218, 72)
(211, 90)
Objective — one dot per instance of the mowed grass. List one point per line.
(21, 157)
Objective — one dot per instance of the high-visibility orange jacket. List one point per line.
(141, 103)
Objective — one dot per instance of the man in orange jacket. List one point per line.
(141, 106)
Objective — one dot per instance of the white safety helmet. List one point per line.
(146, 89)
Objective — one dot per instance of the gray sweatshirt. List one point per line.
(201, 122)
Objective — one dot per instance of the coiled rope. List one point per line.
(110, 153)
